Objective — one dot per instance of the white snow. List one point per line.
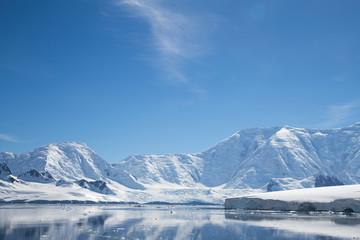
(32, 191)
(247, 161)
(322, 194)
(336, 198)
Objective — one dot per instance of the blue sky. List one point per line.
(155, 76)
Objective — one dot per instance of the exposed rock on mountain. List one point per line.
(327, 181)
(266, 159)
(253, 157)
(96, 186)
(5, 173)
(35, 176)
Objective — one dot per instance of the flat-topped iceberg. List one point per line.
(337, 199)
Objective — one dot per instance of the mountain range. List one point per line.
(251, 160)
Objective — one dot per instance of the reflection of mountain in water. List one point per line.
(54, 230)
(160, 222)
(298, 216)
(97, 221)
(24, 232)
(329, 227)
(347, 221)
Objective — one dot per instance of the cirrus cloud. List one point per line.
(177, 37)
(340, 114)
(7, 137)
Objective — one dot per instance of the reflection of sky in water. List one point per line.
(166, 222)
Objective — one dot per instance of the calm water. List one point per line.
(166, 222)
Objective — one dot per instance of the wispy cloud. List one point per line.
(8, 138)
(175, 35)
(337, 115)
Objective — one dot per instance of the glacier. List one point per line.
(336, 198)
(253, 160)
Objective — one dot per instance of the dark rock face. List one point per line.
(4, 170)
(33, 173)
(307, 207)
(327, 181)
(273, 186)
(5, 173)
(63, 183)
(96, 186)
(36, 176)
(83, 183)
(46, 174)
(100, 184)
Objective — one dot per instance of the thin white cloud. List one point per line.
(338, 115)
(341, 77)
(8, 138)
(200, 92)
(175, 36)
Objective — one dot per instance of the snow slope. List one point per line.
(261, 159)
(252, 158)
(166, 169)
(69, 160)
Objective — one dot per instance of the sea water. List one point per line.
(168, 222)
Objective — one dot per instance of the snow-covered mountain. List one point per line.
(69, 161)
(267, 159)
(252, 158)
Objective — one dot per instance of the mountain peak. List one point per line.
(66, 160)
(67, 144)
(66, 147)
(281, 157)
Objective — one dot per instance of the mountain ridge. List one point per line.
(275, 158)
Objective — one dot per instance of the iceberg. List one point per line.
(337, 199)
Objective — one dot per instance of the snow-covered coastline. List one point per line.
(253, 160)
(337, 199)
